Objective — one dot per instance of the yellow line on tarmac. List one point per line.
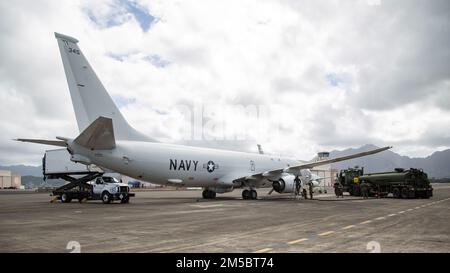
(263, 250)
(380, 218)
(326, 233)
(401, 211)
(366, 222)
(297, 241)
(393, 214)
(348, 227)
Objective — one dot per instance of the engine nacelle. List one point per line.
(315, 183)
(285, 184)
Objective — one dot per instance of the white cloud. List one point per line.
(389, 62)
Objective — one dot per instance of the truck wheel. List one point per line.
(106, 198)
(125, 200)
(65, 198)
(405, 193)
(396, 193)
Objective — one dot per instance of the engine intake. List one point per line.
(285, 184)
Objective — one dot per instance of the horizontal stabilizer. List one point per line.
(44, 141)
(98, 136)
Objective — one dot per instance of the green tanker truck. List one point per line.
(409, 183)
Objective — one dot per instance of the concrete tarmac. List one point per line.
(180, 221)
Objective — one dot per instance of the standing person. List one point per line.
(336, 189)
(304, 193)
(341, 190)
(311, 189)
(364, 190)
(297, 186)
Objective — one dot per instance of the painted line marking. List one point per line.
(380, 218)
(393, 214)
(326, 233)
(409, 209)
(417, 208)
(207, 206)
(348, 227)
(263, 250)
(297, 241)
(400, 212)
(365, 222)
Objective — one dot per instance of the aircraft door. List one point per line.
(252, 166)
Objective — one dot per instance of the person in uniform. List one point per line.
(337, 189)
(341, 190)
(311, 189)
(364, 190)
(297, 185)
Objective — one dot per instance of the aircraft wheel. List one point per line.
(253, 194)
(205, 194)
(212, 194)
(245, 194)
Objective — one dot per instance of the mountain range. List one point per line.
(436, 165)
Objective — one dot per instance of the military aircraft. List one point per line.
(108, 141)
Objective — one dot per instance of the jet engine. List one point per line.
(286, 184)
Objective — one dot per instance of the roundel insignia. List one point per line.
(210, 166)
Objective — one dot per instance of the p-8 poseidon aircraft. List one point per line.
(108, 141)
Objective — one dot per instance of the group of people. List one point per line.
(338, 189)
(302, 190)
(364, 188)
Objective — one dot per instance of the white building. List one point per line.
(325, 171)
(10, 180)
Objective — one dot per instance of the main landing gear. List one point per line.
(249, 194)
(207, 194)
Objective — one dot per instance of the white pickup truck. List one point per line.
(104, 188)
(109, 189)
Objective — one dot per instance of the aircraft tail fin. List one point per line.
(90, 99)
(98, 136)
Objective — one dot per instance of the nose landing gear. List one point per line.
(207, 194)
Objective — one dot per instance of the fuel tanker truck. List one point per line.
(409, 183)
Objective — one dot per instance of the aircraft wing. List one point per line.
(295, 170)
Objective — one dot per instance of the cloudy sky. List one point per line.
(296, 76)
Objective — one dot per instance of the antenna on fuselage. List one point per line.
(260, 150)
